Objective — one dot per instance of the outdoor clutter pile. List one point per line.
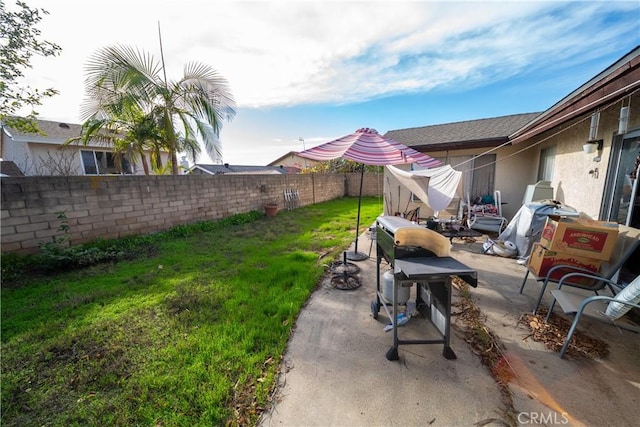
(485, 205)
(578, 242)
(503, 248)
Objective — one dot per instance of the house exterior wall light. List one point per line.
(589, 148)
(592, 145)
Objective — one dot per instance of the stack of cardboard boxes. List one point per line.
(578, 242)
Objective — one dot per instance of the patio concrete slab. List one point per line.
(335, 372)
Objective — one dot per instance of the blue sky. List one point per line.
(319, 70)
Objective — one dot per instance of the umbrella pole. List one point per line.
(355, 255)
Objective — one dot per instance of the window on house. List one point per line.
(547, 159)
(478, 173)
(103, 163)
(483, 176)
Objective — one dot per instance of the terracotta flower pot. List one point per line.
(271, 210)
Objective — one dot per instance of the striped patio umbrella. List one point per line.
(368, 147)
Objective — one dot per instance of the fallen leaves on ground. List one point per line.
(484, 343)
(554, 332)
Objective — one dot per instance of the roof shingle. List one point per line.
(53, 131)
(481, 130)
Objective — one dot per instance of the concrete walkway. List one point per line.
(335, 372)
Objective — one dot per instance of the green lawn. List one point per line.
(191, 333)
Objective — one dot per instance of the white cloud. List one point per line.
(287, 53)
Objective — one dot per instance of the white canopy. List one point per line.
(436, 187)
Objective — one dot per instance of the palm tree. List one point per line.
(192, 107)
(128, 131)
(143, 135)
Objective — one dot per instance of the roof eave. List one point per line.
(205, 170)
(460, 145)
(611, 85)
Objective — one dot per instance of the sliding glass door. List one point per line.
(621, 201)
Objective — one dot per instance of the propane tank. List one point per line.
(387, 289)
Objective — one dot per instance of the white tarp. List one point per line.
(436, 187)
(526, 226)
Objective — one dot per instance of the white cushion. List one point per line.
(631, 293)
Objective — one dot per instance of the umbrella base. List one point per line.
(356, 256)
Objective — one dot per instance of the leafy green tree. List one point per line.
(340, 165)
(19, 42)
(191, 107)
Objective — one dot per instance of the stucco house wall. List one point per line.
(514, 171)
(36, 159)
(517, 165)
(573, 183)
(293, 160)
(44, 154)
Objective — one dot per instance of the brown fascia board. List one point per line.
(616, 85)
(461, 145)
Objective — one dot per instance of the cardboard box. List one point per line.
(541, 260)
(580, 236)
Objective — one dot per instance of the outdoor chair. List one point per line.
(486, 217)
(627, 242)
(609, 309)
(413, 215)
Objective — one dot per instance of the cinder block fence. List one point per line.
(117, 206)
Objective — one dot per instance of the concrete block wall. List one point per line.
(372, 184)
(117, 206)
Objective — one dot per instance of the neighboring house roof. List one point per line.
(293, 162)
(237, 169)
(52, 132)
(619, 80)
(467, 134)
(280, 159)
(9, 168)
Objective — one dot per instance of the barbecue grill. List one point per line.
(422, 257)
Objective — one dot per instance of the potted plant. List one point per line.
(271, 207)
